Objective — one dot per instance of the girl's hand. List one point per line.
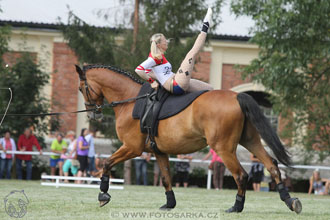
(154, 85)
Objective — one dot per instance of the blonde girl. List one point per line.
(157, 66)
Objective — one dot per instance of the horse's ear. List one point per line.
(80, 72)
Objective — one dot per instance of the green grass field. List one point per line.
(139, 202)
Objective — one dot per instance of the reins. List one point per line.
(91, 103)
(97, 107)
(112, 104)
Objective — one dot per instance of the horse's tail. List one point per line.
(252, 112)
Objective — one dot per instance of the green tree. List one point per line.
(4, 37)
(91, 44)
(293, 63)
(26, 79)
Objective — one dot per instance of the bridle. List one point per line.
(97, 108)
(91, 102)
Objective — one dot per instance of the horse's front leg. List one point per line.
(122, 154)
(164, 166)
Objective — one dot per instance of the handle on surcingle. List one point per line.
(158, 89)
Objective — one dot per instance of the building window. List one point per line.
(271, 116)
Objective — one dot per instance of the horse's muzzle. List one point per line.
(98, 116)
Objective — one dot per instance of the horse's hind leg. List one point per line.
(164, 165)
(251, 141)
(241, 177)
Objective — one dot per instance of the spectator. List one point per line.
(316, 183)
(71, 155)
(157, 175)
(6, 144)
(91, 153)
(82, 153)
(182, 170)
(58, 146)
(218, 168)
(257, 172)
(99, 163)
(286, 179)
(26, 142)
(264, 184)
(141, 168)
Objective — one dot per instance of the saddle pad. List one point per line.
(172, 106)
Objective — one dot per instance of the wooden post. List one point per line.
(136, 25)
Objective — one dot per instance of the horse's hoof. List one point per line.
(104, 198)
(296, 205)
(233, 209)
(165, 208)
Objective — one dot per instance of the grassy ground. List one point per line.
(139, 202)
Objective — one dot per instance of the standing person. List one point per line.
(218, 168)
(157, 67)
(6, 144)
(266, 180)
(71, 154)
(91, 153)
(82, 153)
(58, 146)
(157, 175)
(257, 172)
(182, 170)
(141, 168)
(25, 143)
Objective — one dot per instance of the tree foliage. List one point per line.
(293, 63)
(91, 44)
(26, 79)
(175, 19)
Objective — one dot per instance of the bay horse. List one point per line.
(219, 118)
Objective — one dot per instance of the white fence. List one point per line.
(58, 184)
(209, 174)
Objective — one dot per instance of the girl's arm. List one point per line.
(81, 147)
(53, 147)
(189, 157)
(19, 144)
(74, 148)
(324, 180)
(310, 186)
(254, 159)
(144, 70)
(14, 149)
(207, 156)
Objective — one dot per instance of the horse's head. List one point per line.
(93, 98)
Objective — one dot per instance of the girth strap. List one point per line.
(149, 121)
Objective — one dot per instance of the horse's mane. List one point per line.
(113, 68)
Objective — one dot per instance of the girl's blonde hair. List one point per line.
(313, 176)
(154, 40)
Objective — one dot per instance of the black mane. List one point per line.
(116, 69)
